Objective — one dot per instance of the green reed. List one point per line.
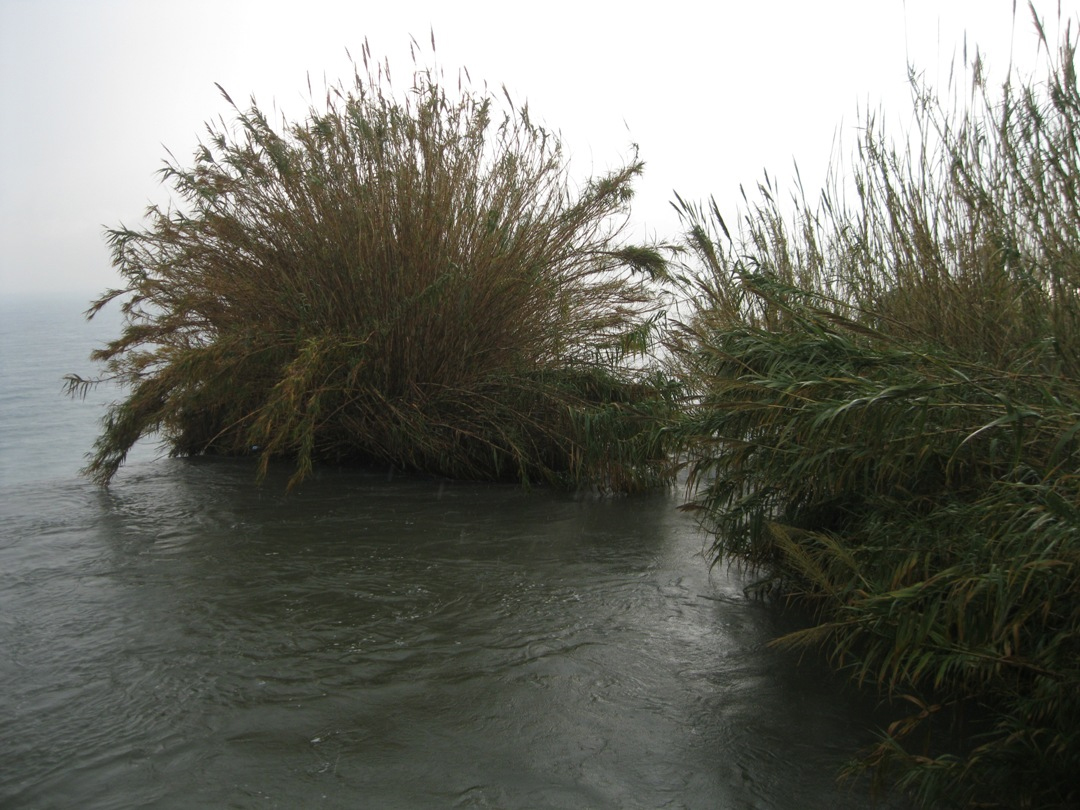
(407, 279)
(885, 426)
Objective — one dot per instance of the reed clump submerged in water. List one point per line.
(410, 282)
(887, 425)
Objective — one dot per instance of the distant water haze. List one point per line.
(45, 434)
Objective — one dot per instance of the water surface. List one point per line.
(188, 638)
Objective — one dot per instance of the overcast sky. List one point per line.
(93, 91)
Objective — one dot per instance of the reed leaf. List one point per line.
(406, 279)
(884, 423)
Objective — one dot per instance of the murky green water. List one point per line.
(190, 639)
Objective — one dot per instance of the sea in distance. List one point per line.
(189, 637)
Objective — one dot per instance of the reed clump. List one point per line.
(886, 426)
(409, 280)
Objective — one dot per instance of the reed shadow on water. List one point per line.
(400, 643)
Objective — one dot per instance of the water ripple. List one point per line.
(188, 638)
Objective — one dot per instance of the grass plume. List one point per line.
(886, 426)
(409, 280)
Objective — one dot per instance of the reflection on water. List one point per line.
(188, 638)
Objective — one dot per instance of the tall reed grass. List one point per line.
(404, 279)
(886, 427)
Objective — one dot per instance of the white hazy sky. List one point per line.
(714, 92)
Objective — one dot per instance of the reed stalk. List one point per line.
(885, 427)
(405, 279)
